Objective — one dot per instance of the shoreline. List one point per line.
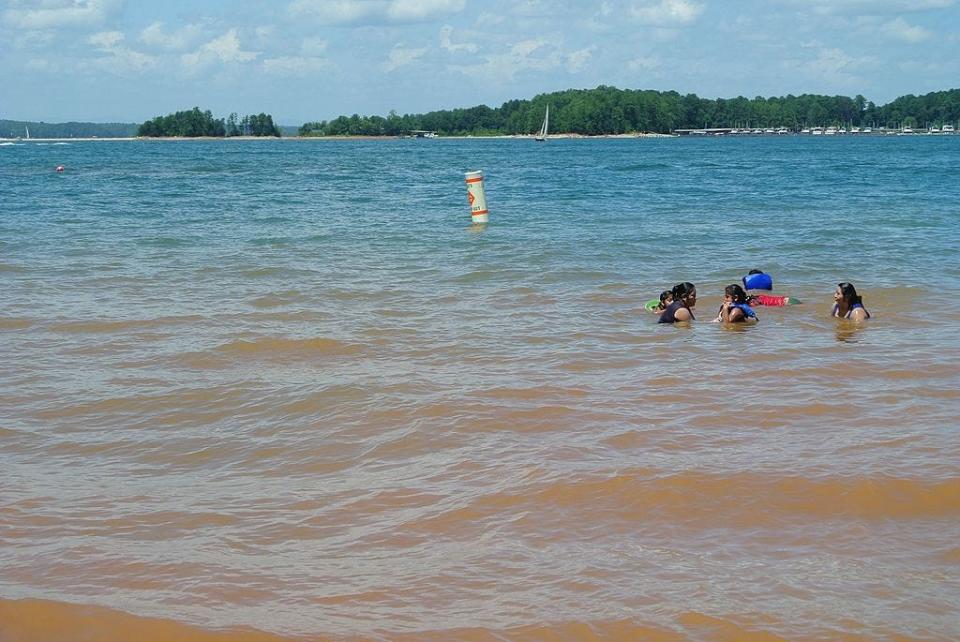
(323, 138)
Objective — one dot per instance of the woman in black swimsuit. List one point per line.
(684, 298)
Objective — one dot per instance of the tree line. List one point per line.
(609, 110)
(19, 129)
(195, 123)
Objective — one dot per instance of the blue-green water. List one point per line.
(334, 407)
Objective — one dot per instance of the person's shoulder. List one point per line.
(859, 314)
(682, 314)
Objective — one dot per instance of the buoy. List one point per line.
(60, 169)
(478, 201)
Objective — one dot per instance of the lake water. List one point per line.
(286, 386)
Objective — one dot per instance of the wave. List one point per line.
(39, 620)
(744, 500)
(44, 620)
(305, 348)
(14, 323)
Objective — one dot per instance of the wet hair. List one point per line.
(849, 294)
(734, 290)
(666, 294)
(754, 272)
(681, 290)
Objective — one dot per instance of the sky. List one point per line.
(311, 60)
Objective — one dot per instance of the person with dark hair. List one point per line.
(734, 308)
(848, 304)
(666, 298)
(684, 298)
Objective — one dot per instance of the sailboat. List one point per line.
(28, 131)
(542, 134)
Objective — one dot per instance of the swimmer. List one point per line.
(684, 298)
(848, 304)
(666, 298)
(734, 308)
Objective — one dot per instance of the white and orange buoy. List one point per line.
(59, 169)
(478, 200)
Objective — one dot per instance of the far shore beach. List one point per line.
(325, 138)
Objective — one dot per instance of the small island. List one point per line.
(196, 124)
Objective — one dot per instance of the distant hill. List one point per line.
(18, 128)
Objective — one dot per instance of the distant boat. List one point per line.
(28, 131)
(542, 134)
(947, 129)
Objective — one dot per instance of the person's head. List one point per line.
(846, 294)
(734, 293)
(666, 297)
(686, 292)
(754, 272)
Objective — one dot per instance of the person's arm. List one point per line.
(859, 314)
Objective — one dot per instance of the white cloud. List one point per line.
(313, 46)
(155, 36)
(334, 12)
(106, 39)
(869, 6)
(666, 12)
(116, 59)
(577, 60)
(900, 29)
(51, 14)
(535, 55)
(295, 65)
(835, 67)
(402, 56)
(225, 49)
(446, 41)
(644, 63)
(419, 10)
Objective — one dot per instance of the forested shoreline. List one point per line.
(589, 112)
(609, 111)
(195, 123)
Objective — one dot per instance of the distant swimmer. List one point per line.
(680, 309)
(734, 308)
(60, 169)
(759, 280)
(848, 304)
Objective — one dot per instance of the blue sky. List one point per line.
(303, 60)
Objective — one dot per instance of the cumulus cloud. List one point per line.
(534, 55)
(446, 41)
(900, 29)
(666, 12)
(177, 40)
(577, 60)
(116, 58)
(106, 39)
(836, 67)
(868, 6)
(419, 10)
(53, 14)
(334, 12)
(401, 56)
(225, 49)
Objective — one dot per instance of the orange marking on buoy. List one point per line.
(470, 197)
(475, 180)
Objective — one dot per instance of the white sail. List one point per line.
(542, 134)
